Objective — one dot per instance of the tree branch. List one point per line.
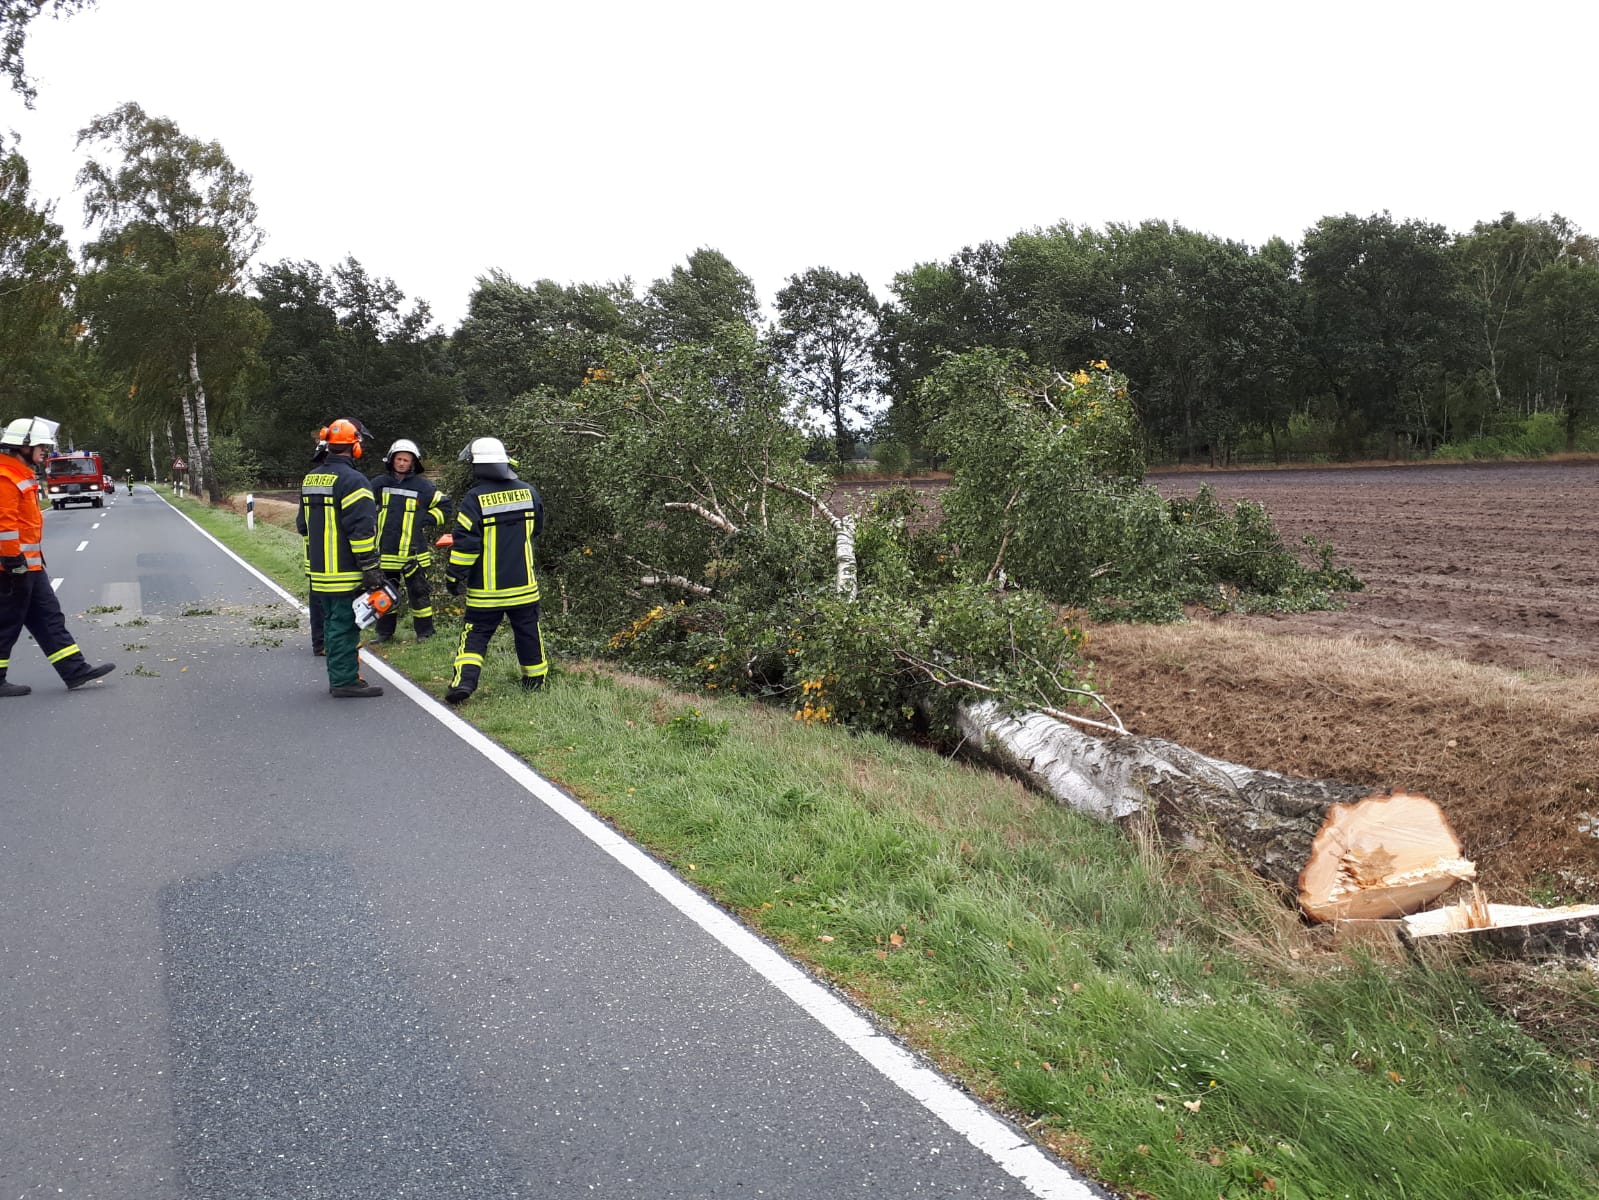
(815, 501)
(945, 678)
(705, 514)
(654, 577)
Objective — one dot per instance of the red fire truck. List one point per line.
(76, 477)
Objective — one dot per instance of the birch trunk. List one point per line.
(190, 455)
(204, 479)
(1276, 824)
(844, 553)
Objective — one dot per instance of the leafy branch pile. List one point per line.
(690, 537)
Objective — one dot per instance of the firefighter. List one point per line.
(27, 601)
(409, 509)
(338, 519)
(491, 563)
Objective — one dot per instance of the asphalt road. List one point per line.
(260, 943)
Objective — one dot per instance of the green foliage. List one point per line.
(163, 296)
(344, 343)
(237, 467)
(521, 338)
(892, 458)
(826, 343)
(691, 728)
(1047, 494)
(1538, 436)
(698, 302)
(15, 17)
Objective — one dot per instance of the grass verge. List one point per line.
(1155, 1016)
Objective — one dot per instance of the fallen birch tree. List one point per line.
(1342, 850)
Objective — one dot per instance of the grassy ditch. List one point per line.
(1155, 1016)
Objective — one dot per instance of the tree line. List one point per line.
(1371, 338)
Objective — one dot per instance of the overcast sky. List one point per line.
(592, 141)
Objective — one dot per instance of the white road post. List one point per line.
(249, 510)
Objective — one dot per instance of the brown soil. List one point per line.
(1467, 670)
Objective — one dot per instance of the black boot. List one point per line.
(359, 690)
(14, 689)
(93, 673)
(532, 683)
(456, 696)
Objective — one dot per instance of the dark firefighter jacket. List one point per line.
(493, 551)
(339, 520)
(408, 507)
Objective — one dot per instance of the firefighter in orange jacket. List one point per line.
(27, 601)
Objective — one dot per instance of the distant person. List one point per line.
(27, 601)
(338, 519)
(409, 509)
(491, 563)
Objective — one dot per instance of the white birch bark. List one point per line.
(844, 552)
(202, 422)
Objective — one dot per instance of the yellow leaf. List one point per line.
(1192, 1105)
(1396, 1076)
(826, 937)
(882, 954)
(896, 939)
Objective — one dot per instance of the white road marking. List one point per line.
(81, 545)
(55, 584)
(1012, 1150)
(93, 527)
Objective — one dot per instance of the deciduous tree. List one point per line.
(696, 301)
(165, 290)
(15, 17)
(826, 342)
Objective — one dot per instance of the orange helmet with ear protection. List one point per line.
(344, 432)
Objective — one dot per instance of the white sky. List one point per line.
(590, 141)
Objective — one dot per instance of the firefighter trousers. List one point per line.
(32, 605)
(476, 630)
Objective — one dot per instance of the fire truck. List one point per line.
(76, 477)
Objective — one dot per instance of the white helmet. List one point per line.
(30, 431)
(485, 450)
(403, 446)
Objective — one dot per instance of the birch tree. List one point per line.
(164, 293)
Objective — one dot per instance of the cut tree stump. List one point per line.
(1384, 856)
(1342, 850)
